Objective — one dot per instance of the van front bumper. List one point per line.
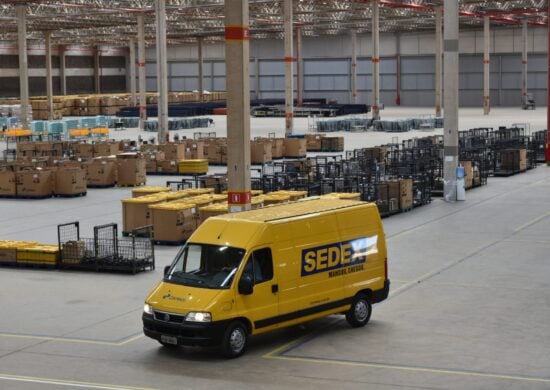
(382, 294)
(187, 333)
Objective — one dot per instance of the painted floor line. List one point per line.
(116, 343)
(487, 375)
(61, 382)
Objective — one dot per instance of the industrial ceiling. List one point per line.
(94, 22)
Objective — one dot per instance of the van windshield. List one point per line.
(208, 266)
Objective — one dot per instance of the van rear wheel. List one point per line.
(234, 340)
(359, 313)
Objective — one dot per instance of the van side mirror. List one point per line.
(166, 270)
(246, 287)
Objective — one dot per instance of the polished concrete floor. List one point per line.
(469, 308)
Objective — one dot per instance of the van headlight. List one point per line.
(198, 316)
(148, 309)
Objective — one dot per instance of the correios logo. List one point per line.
(337, 255)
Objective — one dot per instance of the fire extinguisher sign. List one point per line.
(239, 197)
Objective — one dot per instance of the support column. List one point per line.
(23, 65)
(132, 45)
(141, 72)
(289, 77)
(524, 60)
(548, 86)
(200, 64)
(398, 69)
(97, 69)
(237, 64)
(49, 84)
(299, 78)
(486, 67)
(162, 71)
(62, 80)
(353, 67)
(257, 76)
(450, 139)
(438, 59)
(375, 60)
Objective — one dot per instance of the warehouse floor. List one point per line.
(469, 306)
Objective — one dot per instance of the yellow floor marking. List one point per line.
(408, 368)
(70, 340)
(61, 382)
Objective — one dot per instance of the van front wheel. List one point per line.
(234, 340)
(359, 313)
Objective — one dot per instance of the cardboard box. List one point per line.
(313, 142)
(173, 151)
(260, 151)
(70, 181)
(8, 255)
(174, 223)
(295, 147)
(102, 149)
(523, 159)
(83, 150)
(102, 172)
(8, 185)
(131, 169)
(136, 213)
(151, 166)
(194, 150)
(73, 252)
(167, 166)
(468, 173)
(405, 194)
(34, 183)
(109, 110)
(388, 196)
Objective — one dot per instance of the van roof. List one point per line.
(241, 229)
(286, 211)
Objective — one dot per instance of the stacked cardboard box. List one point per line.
(295, 147)
(135, 211)
(523, 160)
(8, 186)
(468, 173)
(70, 181)
(102, 172)
(313, 142)
(261, 151)
(388, 196)
(405, 194)
(332, 144)
(36, 183)
(130, 169)
(173, 221)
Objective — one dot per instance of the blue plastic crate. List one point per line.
(71, 124)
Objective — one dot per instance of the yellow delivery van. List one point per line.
(251, 272)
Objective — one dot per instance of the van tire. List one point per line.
(359, 313)
(235, 339)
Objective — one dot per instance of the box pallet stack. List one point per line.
(135, 211)
(173, 222)
(193, 167)
(8, 250)
(47, 255)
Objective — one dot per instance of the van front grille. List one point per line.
(169, 317)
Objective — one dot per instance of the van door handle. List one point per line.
(274, 288)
